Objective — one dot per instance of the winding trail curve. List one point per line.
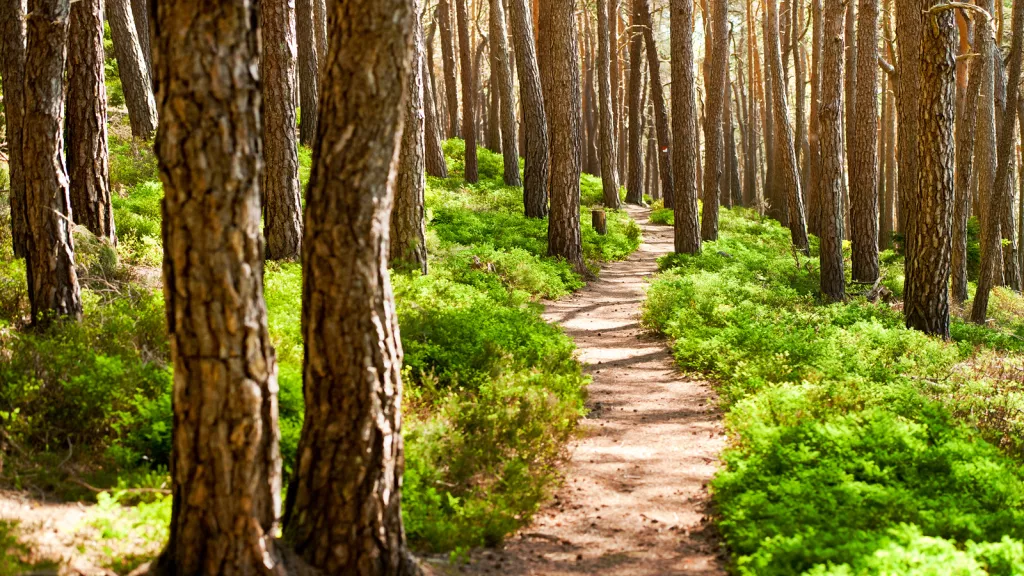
(635, 498)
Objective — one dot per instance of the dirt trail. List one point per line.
(635, 496)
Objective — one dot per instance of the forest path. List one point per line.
(635, 494)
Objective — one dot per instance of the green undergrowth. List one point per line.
(492, 392)
(857, 446)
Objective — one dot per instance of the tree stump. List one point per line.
(600, 222)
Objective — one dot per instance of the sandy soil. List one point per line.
(635, 499)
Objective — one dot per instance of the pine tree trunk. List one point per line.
(664, 147)
(50, 257)
(850, 86)
(561, 82)
(814, 191)
(502, 70)
(451, 90)
(87, 121)
(140, 13)
(926, 293)
(889, 209)
(609, 178)
(776, 207)
(910, 23)
(131, 64)
(434, 153)
(408, 223)
(624, 102)
(225, 467)
(535, 127)
(750, 190)
(634, 180)
(685, 152)
(732, 162)
(999, 204)
(282, 203)
(714, 137)
(966, 123)
(320, 34)
(800, 84)
(864, 150)
(616, 86)
(468, 92)
(344, 504)
(591, 160)
(830, 137)
(309, 65)
(12, 61)
(788, 175)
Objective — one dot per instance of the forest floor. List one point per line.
(635, 499)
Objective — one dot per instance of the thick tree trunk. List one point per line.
(981, 70)
(864, 150)
(87, 121)
(926, 293)
(999, 203)
(685, 153)
(788, 175)
(448, 64)
(131, 64)
(830, 137)
(714, 137)
(344, 504)
(609, 177)
(282, 204)
(634, 180)
(408, 223)
(433, 152)
(535, 127)
(50, 257)
(502, 72)
(468, 92)
(12, 60)
(561, 81)
(910, 22)
(140, 13)
(225, 467)
(664, 148)
(309, 66)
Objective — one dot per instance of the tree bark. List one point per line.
(732, 162)
(609, 177)
(833, 278)
(309, 66)
(799, 82)
(664, 148)
(509, 128)
(87, 121)
(561, 82)
(685, 153)
(131, 64)
(864, 149)
(750, 188)
(344, 504)
(320, 34)
(468, 93)
(788, 174)
(140, 13)
(433, 151)
(714, 153)
(814, 191)
(999, 204)
(535, 127)
(225, 467)
(634, 180)
(408, 222)
(444, 24)
(850, 84)
(910, 23)
(12, 60)
(776, 203)
(53, 288)
(926, 293)
(282, 198)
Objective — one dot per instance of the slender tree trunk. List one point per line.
(309, 66)
(664, 148)
(616, 84)
(624, 99)
(634, 180)
(225, 467)
(444, 23)
(981, 70)
(591, 160)
(800, 84)
(850, 86)
(282, 198)
(776, 207)
(12, 60)
(434, 153)
(131, 64)
(999, 203)
(535, 127)
(732, 162)
(87, 121)
(503, 70)
(788, 174)
(140, 13)
(320, 35)
(408, 222)
(750, 191)
(864, 149)
(889, 214)
(814, 190)
(344, 504)
(561, 82)
(833, 279)
(468, 92)
(50, 257)
(609, 178)
(714, 153)
(910, 23)
(685, 153)
(926, 295)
